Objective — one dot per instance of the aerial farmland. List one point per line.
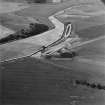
(52, 53)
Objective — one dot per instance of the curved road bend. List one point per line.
(43, 39)
(48, 37)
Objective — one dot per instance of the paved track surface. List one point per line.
(29, 81)
(32, 44)
(91, 54)
(52, 82)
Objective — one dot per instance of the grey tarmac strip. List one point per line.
(81, 44)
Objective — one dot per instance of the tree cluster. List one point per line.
(34, 29)
(91, 85)
(36, 1)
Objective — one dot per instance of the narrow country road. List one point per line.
(29, 46)
(43, 39)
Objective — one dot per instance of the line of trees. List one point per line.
(36, 1)
(29, 1)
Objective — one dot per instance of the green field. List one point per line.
(29, 81)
